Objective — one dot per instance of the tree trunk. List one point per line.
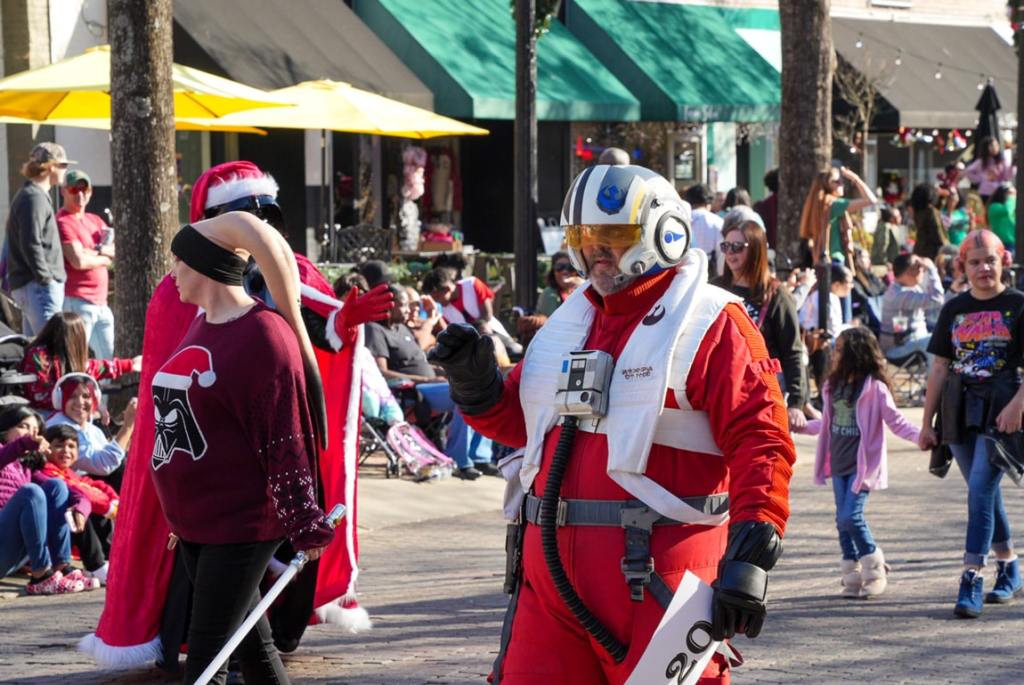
(145, 205)
(805, 131)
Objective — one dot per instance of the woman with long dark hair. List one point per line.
(991, 167)
(745, 246)
(62, 348)
(930, 230)
(562, 279)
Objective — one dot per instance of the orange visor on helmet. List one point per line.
(578, 236)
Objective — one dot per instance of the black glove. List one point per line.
(474, 381)
(738, 605)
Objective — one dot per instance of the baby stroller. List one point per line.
(12, 351)
(385, 429)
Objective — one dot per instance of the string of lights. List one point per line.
(940, 67)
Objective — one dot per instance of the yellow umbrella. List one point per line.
(104, 125)
(79, 88)
(336, 106)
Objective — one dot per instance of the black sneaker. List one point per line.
(467, 473)
(488, 469)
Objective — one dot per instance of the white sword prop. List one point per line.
(296, 565)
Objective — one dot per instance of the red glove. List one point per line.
(356, 309)
(373, 306)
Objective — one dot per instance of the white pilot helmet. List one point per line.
(626, 207)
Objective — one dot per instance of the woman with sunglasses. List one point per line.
(562, 280)
(770, 306)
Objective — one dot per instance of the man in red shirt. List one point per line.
(88, 246)
(617, 506)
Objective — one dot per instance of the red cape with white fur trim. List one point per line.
(140, 564)
(338, 570)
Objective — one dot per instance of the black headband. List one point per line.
(207, 257)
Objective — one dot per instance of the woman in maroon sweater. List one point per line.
(233, 436)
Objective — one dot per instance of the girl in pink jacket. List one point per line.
(851, 450)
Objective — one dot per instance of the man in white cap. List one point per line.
(35, 262)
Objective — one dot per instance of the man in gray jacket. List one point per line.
(35, 261)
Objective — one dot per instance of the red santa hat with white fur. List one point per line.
(227, 182)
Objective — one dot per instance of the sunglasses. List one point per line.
(563, 267)
(732, 247)
(254, 204)
(76, 189)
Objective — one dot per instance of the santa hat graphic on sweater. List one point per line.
(228, 182)
(179, 370)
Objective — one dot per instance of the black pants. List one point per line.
(93, 542)
(225, 581)
(290, 615)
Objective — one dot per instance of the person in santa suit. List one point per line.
(143, 618)
(688, 470)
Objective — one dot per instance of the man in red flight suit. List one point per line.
(717, 448)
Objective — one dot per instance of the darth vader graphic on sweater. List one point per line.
(177, 429)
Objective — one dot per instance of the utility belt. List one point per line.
(637, 520)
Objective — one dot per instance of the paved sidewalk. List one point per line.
(431, 573)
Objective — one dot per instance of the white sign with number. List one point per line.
(682, 646)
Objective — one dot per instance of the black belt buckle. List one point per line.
(637, 576)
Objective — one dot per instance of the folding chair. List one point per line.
(908, 376)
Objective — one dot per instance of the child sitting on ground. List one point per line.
(93, 541)
(851, 450)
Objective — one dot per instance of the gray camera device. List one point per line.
(584, 382)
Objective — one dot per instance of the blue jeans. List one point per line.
(38, 303)
(99, 325)
(909, 347)
(854, 535)
(465, 446)
(987, 523)
(32, 524)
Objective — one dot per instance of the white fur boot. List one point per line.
(851, 580)
(873, 574)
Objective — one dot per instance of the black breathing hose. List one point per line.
(549, 543)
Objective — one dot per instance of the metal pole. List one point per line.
(524, 214)
(322, 221)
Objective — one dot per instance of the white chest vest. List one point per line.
(656, 358)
